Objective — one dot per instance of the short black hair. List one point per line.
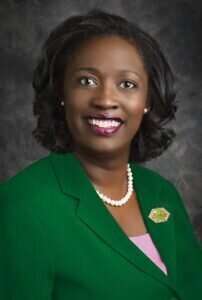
(152, 138)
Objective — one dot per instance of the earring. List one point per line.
(62, 103)
(145, 110)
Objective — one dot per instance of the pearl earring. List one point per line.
(62, 103)
(145, 110)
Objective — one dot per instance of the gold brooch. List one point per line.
(159, 214)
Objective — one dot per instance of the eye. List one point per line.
(129, 84)
(86, 81)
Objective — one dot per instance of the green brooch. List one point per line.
(159, 214)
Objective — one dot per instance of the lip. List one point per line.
(103, 131)
(104, 117)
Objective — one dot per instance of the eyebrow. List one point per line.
(97, 71)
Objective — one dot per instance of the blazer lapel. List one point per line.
(74, 181)
(162, 234)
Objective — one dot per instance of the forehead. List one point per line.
(107, 52)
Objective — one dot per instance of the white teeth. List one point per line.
(103, 123)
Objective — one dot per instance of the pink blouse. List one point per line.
(145, 243)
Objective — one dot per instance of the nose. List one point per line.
(105, 98)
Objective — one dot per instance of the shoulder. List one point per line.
(29, 171)
(35, 172)
(29, 183)
(30, 196)
(156, 186)
(21, 231)
(152, 179)
(167, 192)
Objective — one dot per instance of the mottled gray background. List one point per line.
(176, 24)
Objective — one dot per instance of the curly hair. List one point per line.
(152, 138)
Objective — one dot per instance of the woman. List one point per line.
(88, 221)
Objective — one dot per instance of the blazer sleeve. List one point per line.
(189, 250)
(26, 267)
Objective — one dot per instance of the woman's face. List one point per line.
(105, 93)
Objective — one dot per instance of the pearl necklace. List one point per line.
(126, 197)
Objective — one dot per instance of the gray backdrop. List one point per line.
(176, 24)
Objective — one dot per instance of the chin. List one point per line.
(104, 148)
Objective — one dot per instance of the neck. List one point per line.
(107, 174)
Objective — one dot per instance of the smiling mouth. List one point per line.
(103, 127)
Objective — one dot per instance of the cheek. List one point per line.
(135, 112)
(71, 115)
(73, 104)
(74, 107)
(75, 100)
(136, 108)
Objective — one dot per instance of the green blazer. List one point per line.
(58, 241)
